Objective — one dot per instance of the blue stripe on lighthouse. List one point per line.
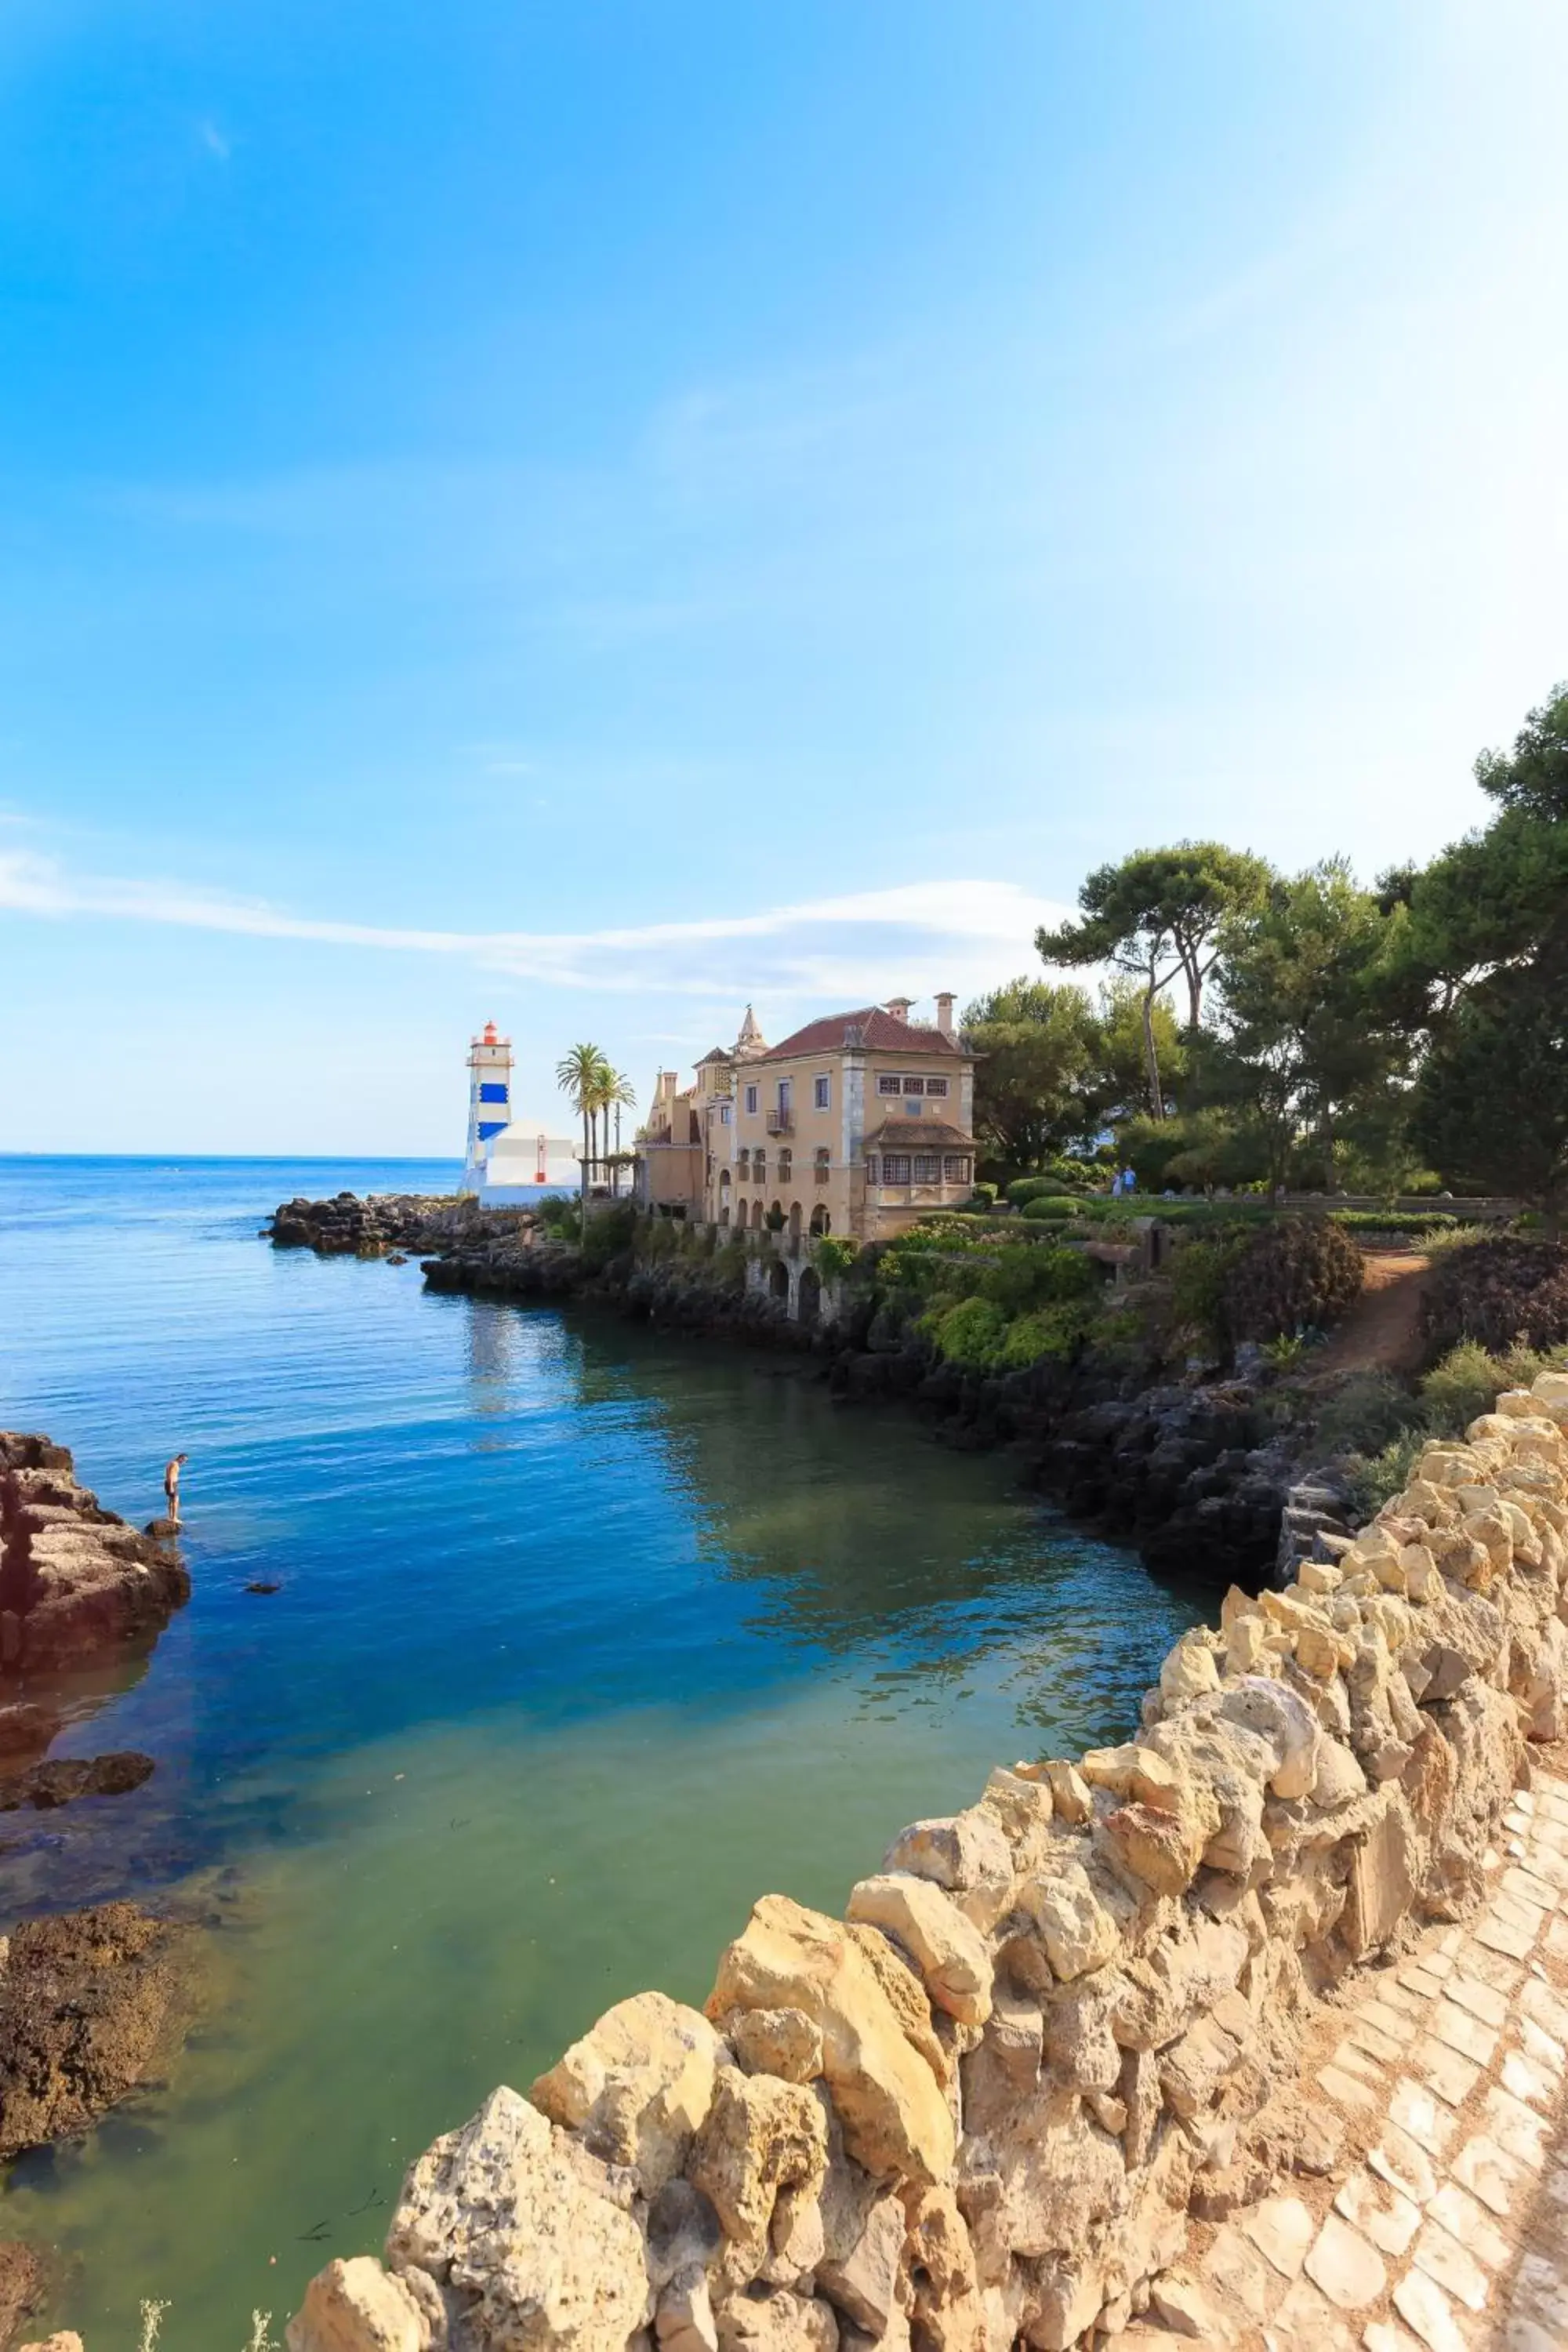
(489, 1127)
(491, 1092)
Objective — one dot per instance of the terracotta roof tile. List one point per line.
(882, 1032)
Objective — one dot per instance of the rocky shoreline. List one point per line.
(88, 1999)
(76, 1582)
(1188, 1474)
(982, 2107)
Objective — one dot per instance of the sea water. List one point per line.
(582, 1638)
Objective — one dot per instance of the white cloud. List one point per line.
(918, 937)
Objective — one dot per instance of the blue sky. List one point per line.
(589, 513)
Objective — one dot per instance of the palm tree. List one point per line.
(579, 1076)
(617, 1094)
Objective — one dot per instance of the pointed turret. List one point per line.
(751, 1041)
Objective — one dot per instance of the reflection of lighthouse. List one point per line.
(489, 1098)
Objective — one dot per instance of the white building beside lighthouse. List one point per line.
(506, 1157)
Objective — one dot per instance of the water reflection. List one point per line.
(582, 1637)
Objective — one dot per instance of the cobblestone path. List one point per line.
(1440, 2224)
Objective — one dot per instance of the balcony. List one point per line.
(780, 1122)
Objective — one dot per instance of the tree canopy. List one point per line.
(1333, 1032)
(1158, 914)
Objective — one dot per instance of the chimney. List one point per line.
(898, 1006)
(944, 1012)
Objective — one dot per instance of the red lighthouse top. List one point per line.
(490, 1035)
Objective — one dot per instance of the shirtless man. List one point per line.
(172, 1486)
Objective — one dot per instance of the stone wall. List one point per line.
(982, 2105)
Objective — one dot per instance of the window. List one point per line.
(786, 1095)
(786, 1164)
(936, 1085)
(926, 1165)
(822, 1092)
(889, 1086)
(895, 1167)
(743, 1165)
(914, 1086)
(724, 1114)
(873, 1168)
(490, 1092)
(822, 1163)
(955, 1168)
(760, 1168)
(750, 1098)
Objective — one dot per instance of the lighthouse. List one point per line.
(490, 1100)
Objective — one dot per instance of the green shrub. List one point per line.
(834, 1254)
(1467, 1381)
(1374, 1479)
(1497, 1291)
(1019, 1280)
(1394, 1221)
(970, 1333)
(983, 1196)
(1024, 1189)
(1200, 1269)
(1300, 1272)
(1050, 1333)
(729, 1263)
(1050, 1208)
(611, 1230)
(1365, 1413)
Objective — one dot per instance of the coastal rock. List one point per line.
(355, 2306)
(1136, 1941)
(21, 2285)
(761, 2141)
(945, 1947)
(638, 2086)
(45, 1786)
(87, 2001)
(965, 1853)
(529, 2235)
(76, 1582)
(777, 2320)
(895, 2117)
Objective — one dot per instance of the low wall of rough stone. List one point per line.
(982, 2105)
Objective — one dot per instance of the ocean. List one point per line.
(583, 1639)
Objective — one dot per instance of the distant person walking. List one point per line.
(172, 1486)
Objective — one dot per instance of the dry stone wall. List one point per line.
(980, 2108)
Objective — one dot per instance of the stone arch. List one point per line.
(794, 1220)
(808, 1296)
(821, 1220)
(756, 1216)
(778, 1279)
(724, 1213)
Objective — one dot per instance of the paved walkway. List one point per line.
(1443, 2224)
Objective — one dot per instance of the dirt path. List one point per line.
(1382, 1331)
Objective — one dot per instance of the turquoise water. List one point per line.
(584, 1638)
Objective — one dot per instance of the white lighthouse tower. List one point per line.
(489, 1101)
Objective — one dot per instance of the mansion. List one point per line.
(859, 1123)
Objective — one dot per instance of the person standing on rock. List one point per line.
(172, 1487)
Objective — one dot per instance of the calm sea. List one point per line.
(583, 1639)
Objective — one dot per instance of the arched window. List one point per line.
(822, 1163)
(742, 1166)
(760, 1168)
(786, 1163)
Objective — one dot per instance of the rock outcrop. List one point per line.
(76, 1582)
(88, 2000)
(980, 2108)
